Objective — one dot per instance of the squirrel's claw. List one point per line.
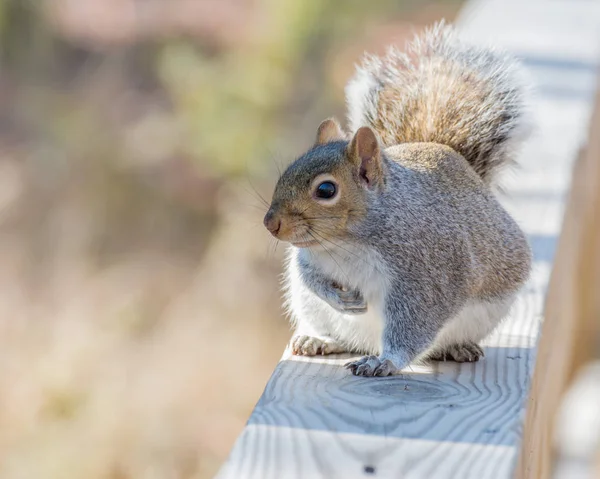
(353, 365)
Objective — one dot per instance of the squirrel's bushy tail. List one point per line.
(444, 91)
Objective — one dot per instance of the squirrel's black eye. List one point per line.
(326, 190)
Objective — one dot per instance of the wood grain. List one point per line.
(447, 420)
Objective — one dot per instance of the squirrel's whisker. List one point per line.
(329, 253)
(345, 249)
(258, 195)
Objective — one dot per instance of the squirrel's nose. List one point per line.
(272, 223)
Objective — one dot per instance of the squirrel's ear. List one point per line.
(329, 130)
(365, 153)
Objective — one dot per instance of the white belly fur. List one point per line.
(362, 333)
(314, 317)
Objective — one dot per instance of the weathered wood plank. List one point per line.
(447, 420)
(577, 429)
(571, 332)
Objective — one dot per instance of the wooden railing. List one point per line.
(569, 349)
(469, 421)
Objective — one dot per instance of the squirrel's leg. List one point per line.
(344, 300)
(311, 295)
(458, 340)
(408, 331)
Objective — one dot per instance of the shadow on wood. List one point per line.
(325, 396)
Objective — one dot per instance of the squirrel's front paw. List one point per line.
(311, 346)
(350, 301)
(372, 366)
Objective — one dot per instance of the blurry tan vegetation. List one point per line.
(139, 305)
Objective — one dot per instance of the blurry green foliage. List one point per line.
(140, 133)
(228, 104)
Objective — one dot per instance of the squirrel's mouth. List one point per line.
(304, 244)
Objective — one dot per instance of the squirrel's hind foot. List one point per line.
(461, 353)
(311, 346)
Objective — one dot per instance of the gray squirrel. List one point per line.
(399, 248)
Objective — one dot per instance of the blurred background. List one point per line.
(140, 314)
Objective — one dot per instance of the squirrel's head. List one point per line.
(321, 193)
